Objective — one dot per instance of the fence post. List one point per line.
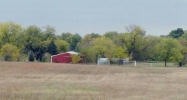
(51, 59)
(135, 63)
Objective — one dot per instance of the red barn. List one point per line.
(63, 57)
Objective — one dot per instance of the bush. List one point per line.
(31, 56)
(46, 57)
(76, 58)
(7, 58)
(10, 52)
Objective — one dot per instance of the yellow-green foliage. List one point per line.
(11, 51)
(9, 32)
(169, 50)
(102, 47)
(120, 53)
(75, 58)
(62, 46)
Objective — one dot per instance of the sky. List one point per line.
(156, 17)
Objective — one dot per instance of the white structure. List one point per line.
(103, 61)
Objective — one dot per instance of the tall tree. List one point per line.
(133, 40)
(35, 42)
(169, 49)
(10, 33)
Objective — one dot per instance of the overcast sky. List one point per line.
(157, 17)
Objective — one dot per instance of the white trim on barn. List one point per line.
(72, 52)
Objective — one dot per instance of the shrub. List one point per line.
(31, 56)
(75, 58)
(46, 57)
(7, 57)
(10, 52)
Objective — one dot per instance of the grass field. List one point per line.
(45, 81)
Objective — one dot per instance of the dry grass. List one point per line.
(45, 81)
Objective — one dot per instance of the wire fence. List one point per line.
(159, 64)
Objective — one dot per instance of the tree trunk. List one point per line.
(131, 55)
(180, 64)
(165, 63)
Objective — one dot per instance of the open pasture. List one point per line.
(46, 81)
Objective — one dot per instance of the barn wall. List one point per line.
(62, 58)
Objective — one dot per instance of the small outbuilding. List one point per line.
(63, 57)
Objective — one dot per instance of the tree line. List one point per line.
(38, 44)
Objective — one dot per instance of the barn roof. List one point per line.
(70, 52)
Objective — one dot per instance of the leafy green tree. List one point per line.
(145, 50)
(113, 36)
(66, 37)
(183, 41)
(52, 48)
(10, 33)
(184, 36)
(176, 33)
(76, 38)
(85, 42)
(169, 49)
(99, 47)
(94, 35)
(61, 45)
(10, 52)
(133, 41)
(120, 52)
(139, 46)
(49, 33)
(72, 39)
(36, 42)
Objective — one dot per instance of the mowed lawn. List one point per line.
(46, 81)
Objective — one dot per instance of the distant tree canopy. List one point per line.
(35, 43)
(176, 33)
(72, 39)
